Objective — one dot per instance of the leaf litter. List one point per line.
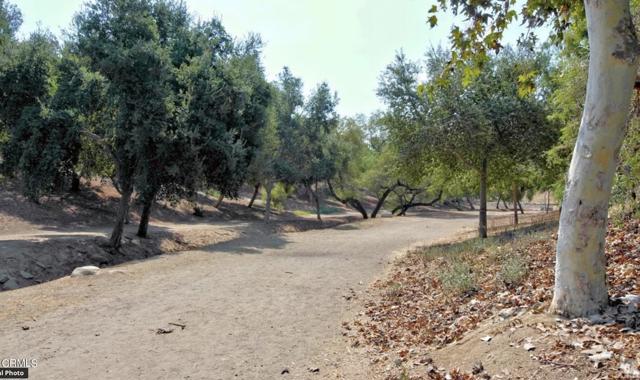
(419, 309)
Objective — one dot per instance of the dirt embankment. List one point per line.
(42, 242)
(477, 309)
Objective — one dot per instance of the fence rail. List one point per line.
(507, 222)
(500, 224)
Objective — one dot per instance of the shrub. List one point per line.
(279, 195)
(458, 277)
(513, 271)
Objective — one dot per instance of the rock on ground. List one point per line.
(89, 270)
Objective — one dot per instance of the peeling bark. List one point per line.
(580, 279)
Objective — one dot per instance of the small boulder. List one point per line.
(89, 270)
(4, 277)
(385, 214)
(10, 284)
(98, 258)
(26, 275)
(508, 312)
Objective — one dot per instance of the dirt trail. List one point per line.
(251, 307)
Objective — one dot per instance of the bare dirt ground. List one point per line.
(42, 242)
(261, 305)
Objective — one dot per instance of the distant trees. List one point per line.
(280, 154)
(27, 90)
(467, 125)
(319, 123)
(165, 106)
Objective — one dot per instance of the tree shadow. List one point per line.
(95, 206)
(45, 257)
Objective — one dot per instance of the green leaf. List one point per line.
(433, 21)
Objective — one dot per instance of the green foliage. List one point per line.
(187, 102)
(39, 143)
(288, 102)
(457, 277)
(10, 21)
(279, 195)
(569, 80)
(444, 130)
(48, 148)
(454, 251)
(320, 121)
(513, 270)
(627, 180)
(486, 22)
(26, 79)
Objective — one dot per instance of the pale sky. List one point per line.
(346, 43)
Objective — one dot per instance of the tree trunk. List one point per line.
(317, 199)
(520, 208)
(123, 211)
(470, 204)
(352, 202)
(514, 194)
(453, 204)
(143, 227)
(482, 222)
(580, 287)
(197, 210)
(356, 204)
(381, 201)
(546, 207)
(405, 207)
(268, 187)
(75, 182)
(498, 202)
(219, 202)
(310, 194)
(256, 190)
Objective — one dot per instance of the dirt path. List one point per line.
(252, 306)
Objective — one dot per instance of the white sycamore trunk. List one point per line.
(580, 281)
